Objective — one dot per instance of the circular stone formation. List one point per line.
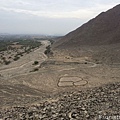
(69, 81)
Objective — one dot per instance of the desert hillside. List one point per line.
(75, 78)
(99, 38)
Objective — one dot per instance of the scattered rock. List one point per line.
(92, 104)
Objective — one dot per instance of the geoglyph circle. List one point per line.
(69, 81)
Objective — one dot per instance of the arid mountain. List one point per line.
(104, 29)
(102, 34)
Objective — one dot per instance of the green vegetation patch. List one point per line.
(4, 45)
(31, 43)
(48, 51)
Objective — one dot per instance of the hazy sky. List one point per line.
(48, 16)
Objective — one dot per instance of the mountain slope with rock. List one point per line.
(98, 38)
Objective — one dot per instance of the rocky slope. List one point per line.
(97, 38)
(93, 104)
(102, 30)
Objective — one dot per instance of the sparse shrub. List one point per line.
(51, 41)
(3, 58)
(7, 62)
(35, 63)
(48, 51)
(16, 58)
(34, 70)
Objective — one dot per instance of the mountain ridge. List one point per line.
(105, 26)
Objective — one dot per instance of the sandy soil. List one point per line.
(21, 86)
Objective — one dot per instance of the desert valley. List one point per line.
(74, 77)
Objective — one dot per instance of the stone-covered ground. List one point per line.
(98, 103)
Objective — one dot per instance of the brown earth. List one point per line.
(75, 66)
(20, 84)
(98, 39)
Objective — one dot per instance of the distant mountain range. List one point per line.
(100, 36)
